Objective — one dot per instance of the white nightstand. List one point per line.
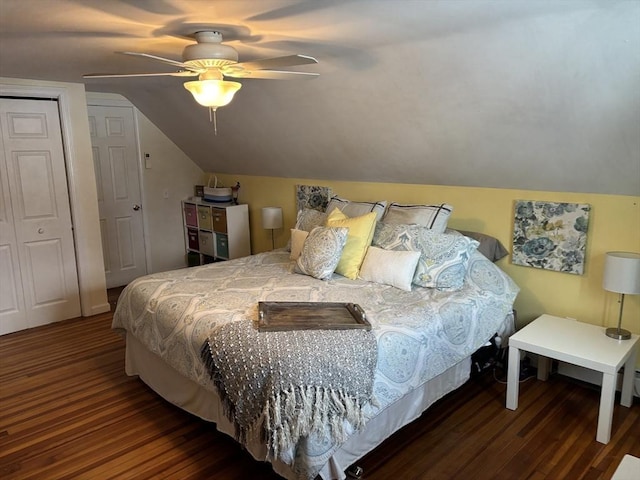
(581, 344)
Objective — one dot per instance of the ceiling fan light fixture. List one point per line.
(209, 51)
(212, 61)
(213, 93)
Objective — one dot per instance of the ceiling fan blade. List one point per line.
(161, 74)
(272, 74)
(302, 8)
(276, 62)
(164, 60)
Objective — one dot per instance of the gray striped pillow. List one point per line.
(434, 217)
(356, 209)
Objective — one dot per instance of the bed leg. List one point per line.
(354, 472)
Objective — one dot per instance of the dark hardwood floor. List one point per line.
(67, 410)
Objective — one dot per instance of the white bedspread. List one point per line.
(419, 333)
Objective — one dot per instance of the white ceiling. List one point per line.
(525, 94)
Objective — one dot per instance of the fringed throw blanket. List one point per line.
(291, 382)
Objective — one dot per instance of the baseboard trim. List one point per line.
(593, 377)
(102, 308)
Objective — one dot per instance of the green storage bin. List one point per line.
(222, 246)
(193, 259)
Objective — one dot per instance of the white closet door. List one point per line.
(13, 314)
(34, 168)
(115, 156)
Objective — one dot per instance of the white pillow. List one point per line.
(390, 267)
(297, 241)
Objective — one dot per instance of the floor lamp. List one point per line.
(271, 219)
(621, 275)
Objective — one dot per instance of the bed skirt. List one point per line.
(206, 404)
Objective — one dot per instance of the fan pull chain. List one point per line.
(214, 120)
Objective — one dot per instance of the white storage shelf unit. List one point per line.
(215, 231)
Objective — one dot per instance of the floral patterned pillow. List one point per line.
(321, 252)
(444, 258)
(308, 219)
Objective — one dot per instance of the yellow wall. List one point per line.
(614, 224)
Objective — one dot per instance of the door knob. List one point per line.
(136, 207)
(41, 230)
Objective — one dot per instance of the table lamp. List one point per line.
(271, 219)
(621, 275)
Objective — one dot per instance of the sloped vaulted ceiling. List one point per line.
(527, 94)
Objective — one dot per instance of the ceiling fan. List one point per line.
(211, 60)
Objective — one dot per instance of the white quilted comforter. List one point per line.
(420, 334)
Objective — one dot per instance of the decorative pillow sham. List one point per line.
(489, 246)
(444, 257)
(434, 217)
(297, 241)
(321, 252)
(359, 238)
(309, 218)
(390, 267)
(356, 209)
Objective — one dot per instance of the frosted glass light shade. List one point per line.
(213, 93)
(622, 272)
(271, 218)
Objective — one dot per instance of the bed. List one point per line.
(423, 339)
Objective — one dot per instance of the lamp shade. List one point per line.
(271, 217)
(622, 272)
(213, 93)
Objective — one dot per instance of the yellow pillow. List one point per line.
(360, 235)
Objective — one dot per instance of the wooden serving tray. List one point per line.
(279, 316)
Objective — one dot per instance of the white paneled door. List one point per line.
(38, 275)
(115, 156)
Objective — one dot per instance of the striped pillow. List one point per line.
(356, 209)
(434, 217)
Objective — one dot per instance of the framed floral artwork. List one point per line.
(312, 196)
(550, 235)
